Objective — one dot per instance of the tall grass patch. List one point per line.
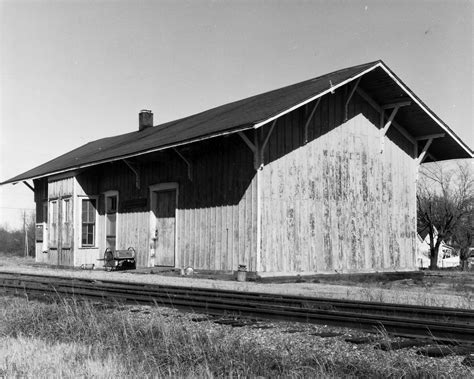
(137, 345)
(68, 338)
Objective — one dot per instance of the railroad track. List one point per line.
(445, 325)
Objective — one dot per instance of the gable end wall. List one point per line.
(337, 203)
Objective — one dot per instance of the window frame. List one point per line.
(82, 223)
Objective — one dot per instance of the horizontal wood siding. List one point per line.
(337, 203)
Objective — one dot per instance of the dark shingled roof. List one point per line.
(228, 118)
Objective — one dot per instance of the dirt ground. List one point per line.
(433, 288)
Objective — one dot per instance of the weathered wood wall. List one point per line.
(59, 189)
(337, 203)
(55, 188)
(216, 215)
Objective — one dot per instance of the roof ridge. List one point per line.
(238, 115)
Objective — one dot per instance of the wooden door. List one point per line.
(111, 202)
(165, 233)
(53, 221)
(64, 233)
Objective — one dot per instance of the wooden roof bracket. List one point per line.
(248, 142)
(346, 105)
(252, 146)
(264, 144)
(428, 136)
(188, 164)
(381, 110)
(29, 185)
(384, 128)
(258, 147)
(310, 117)
(389, 121)
(424, 151)
(135, 171)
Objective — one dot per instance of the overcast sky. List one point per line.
(76, 71)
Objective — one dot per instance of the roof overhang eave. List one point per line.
(321, 94)
(19, 179)
(380, 64)
(261, 123)
(425, 109)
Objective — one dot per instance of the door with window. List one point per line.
(165, 230)
(61, 231)
(111, 202)
(65, 248)
(53, 221)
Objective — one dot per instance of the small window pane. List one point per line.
(66, 210)
(111, 224)
(91, 211)
(111, 205)
(84, 235)
(53, 227)
(84, 210)
(55, 210)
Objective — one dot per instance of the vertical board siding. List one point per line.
(216, 211)
(344, 201)
(60, 187)
(338, 203)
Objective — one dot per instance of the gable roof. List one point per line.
(253, 112)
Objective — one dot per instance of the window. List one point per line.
(88, 222)
(53, 218)
(66, 236)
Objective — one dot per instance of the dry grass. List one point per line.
(71, 339)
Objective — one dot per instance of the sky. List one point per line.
(75, 71)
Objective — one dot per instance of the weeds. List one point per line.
(122, 344)
(71, 338)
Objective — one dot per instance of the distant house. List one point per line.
(319, 176)
(446, 255)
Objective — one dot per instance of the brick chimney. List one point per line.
(145, 119)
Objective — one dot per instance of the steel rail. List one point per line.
(452, 325)
(441, 313)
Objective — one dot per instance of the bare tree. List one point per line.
(463, 236)
(444, 200)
